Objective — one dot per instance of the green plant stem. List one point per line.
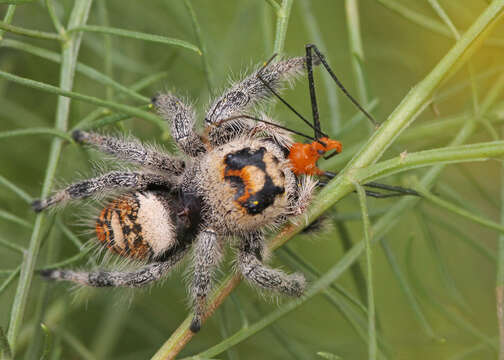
(372, 349)
(12, 246)
(459, 211)
(56, 22)
(109, 330)
(107, 44)
(307, 268)
(90, 99)
(428, 23)
(446, 155)
(47, 343)
(12, 275)
(41, 298)
(356, 270)
(16, 189)
(201, 43)
(86, 70)
(31, 33)
(283, 16)
(70, 50)
(136, 35)
(446, 278)
(78, 347)
(5, 215)
(462, 236)
(5, 349)
(343, 184)
(356, 49)
(319, 285)
(408, 292)
(447, 311)
(444, 16)
(9, 14)
(36, 131)
(273, 4)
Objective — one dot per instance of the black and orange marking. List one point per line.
(133, 245)
(238, 170)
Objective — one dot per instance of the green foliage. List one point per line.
(95, 65)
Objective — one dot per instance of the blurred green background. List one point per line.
(453, 283)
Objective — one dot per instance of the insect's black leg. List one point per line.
(340, 85)
(313, 97)
(382, 195)
(397, 189)
(279, 97)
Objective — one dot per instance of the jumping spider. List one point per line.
(238, 178)
(235, 180)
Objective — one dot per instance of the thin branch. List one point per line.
(31, 33)
(356, 49)
(136, 35)
(372, 349)
(201, 43)
(283, 16)
(86, 98)
(78, 16)
(16, 189)
(9, 14)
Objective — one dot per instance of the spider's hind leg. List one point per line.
(207, 255)
(137, 278)
(252, 268)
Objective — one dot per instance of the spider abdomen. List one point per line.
(137, 225)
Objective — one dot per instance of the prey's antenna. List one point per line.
(313, 97)
(309, 47)
(265, 122)
(265, 83)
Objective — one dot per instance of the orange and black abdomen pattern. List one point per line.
(119, 230)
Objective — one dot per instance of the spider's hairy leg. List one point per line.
(132, 151)
(137, 278)
(252, 268)
(303, 199)
(107, 182)
(181, 118)
(249, 92)
(207, 255)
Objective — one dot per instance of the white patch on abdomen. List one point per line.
(157, 227)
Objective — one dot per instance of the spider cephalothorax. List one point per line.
(234, 180)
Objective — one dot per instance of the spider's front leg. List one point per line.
(133, 151)
(251, 266)
(207, 255)
(181, 118)
(107, 182)
(246, 94)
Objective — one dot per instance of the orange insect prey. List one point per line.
(304, 157)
